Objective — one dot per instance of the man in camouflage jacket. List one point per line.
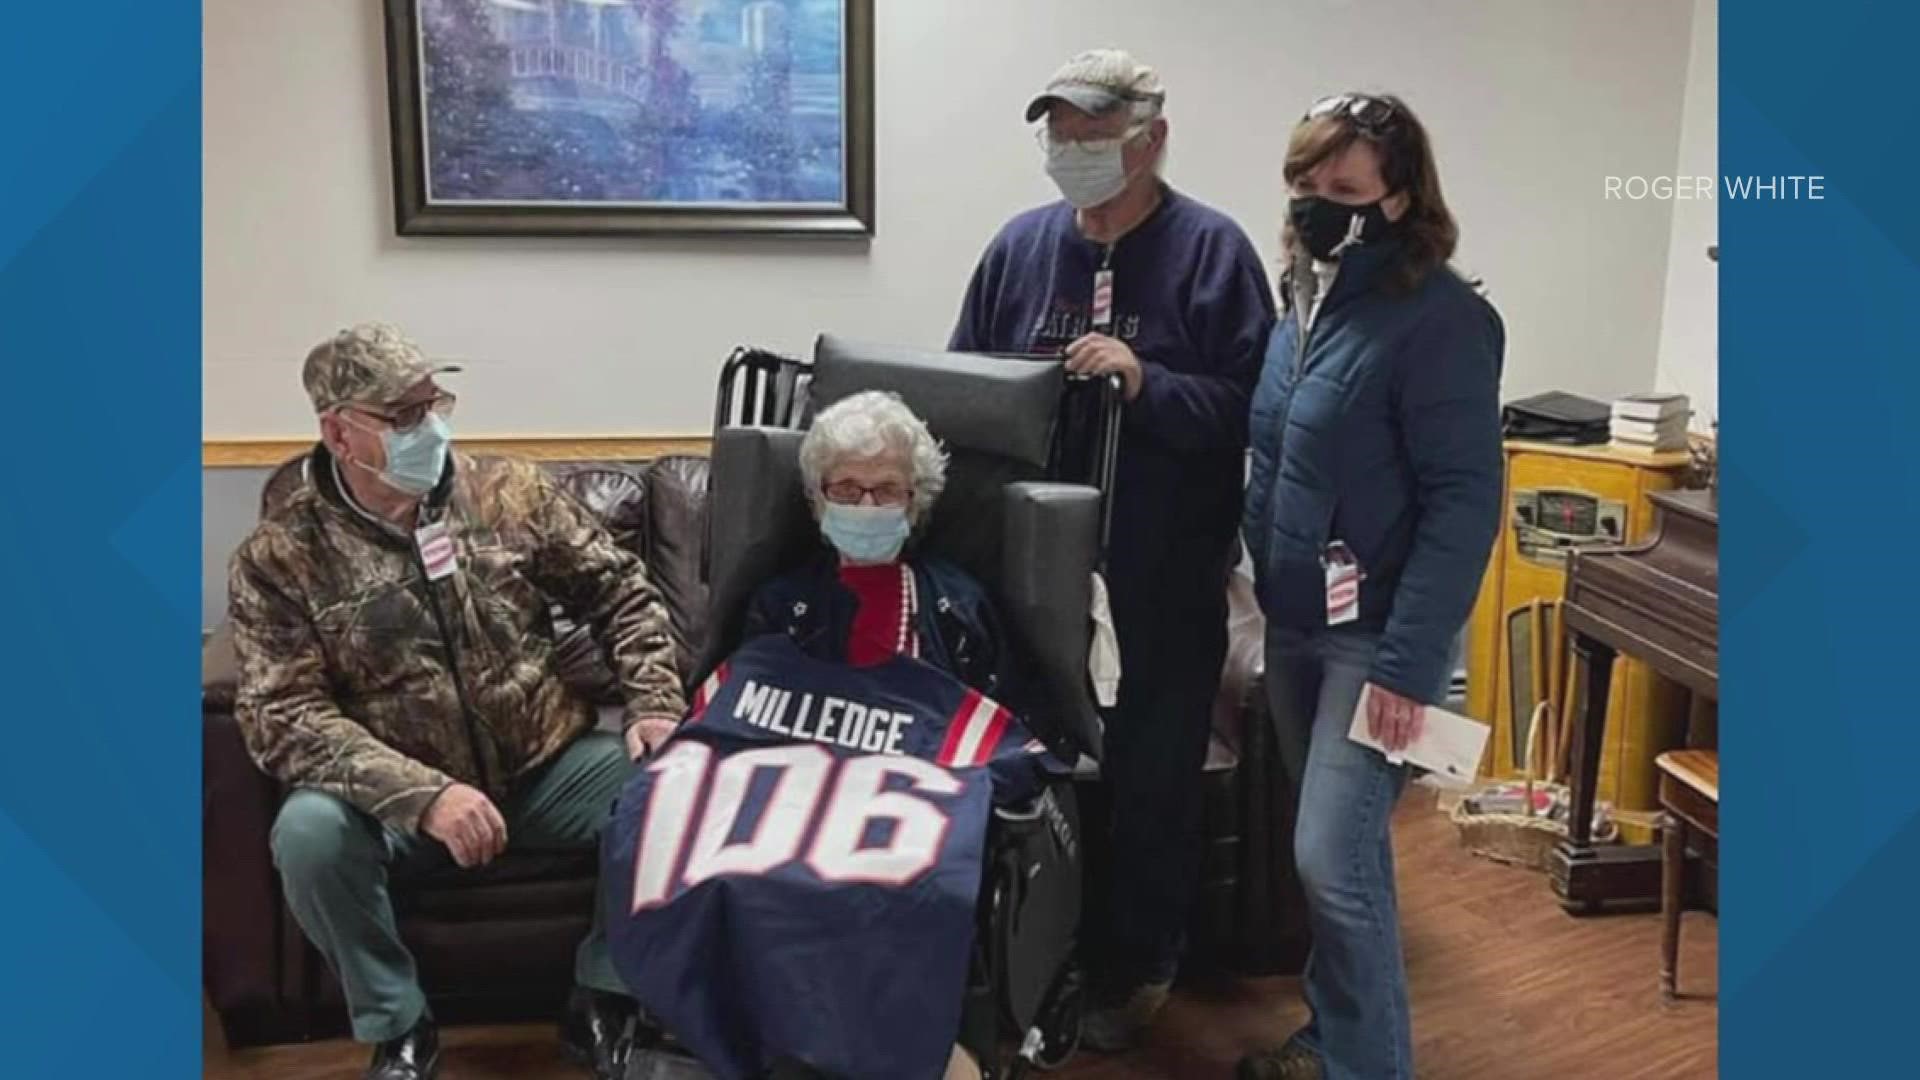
(393, 623)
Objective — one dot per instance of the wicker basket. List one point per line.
(1522, 822)
(1523, 839)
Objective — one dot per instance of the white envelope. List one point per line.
(1449, 745)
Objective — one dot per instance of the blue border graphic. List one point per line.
(1820, 377)
(100, 334)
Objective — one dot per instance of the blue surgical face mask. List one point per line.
(865, 534)
(417, 458)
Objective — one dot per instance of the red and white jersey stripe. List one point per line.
(705, 692)
(973, 733)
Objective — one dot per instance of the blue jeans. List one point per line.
(1356, 979)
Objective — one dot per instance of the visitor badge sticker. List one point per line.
(1103, 300)
(436, 550)
(1343, 584)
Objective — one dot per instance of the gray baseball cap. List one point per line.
(1097, 82)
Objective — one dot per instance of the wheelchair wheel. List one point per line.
(1059, 1023)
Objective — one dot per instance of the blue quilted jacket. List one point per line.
(1380, 428)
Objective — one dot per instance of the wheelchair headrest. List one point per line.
(1032, 545)
(1003, 407)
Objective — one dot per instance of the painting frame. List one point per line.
(851, 217)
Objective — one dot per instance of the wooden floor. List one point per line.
(1503, 985)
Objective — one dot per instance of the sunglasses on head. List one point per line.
(1371, 115)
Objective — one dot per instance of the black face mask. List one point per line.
(1324, 225)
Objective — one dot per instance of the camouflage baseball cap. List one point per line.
(1097, 82)
(368, 364)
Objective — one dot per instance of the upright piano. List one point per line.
(1658, 602)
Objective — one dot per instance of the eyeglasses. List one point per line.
(1056, 147)
(1373, 116)
(850, 492)
(404, 418)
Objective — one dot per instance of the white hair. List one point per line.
(874, 424)
(1145, 113)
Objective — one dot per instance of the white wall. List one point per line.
(1531, 102)
(1689, 360)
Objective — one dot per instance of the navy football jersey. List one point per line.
(794, 875)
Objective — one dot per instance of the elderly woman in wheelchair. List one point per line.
(872, 473)
(864, 630)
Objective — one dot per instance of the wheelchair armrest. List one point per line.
(1050, 547)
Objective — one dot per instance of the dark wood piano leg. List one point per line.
(1589, 733)
(1589, 877)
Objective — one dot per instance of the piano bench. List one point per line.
(1690, 805)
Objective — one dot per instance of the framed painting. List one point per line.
(629, 117)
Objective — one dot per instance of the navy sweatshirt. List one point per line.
(1192, 301)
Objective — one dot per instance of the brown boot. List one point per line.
(1290, 1062)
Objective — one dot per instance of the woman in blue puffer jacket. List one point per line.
(1372, 505)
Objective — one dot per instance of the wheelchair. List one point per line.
(1025, 512)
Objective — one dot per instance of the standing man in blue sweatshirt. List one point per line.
(1129, 277)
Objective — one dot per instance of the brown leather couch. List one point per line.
(498, 944)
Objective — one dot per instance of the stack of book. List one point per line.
(1650, 422)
